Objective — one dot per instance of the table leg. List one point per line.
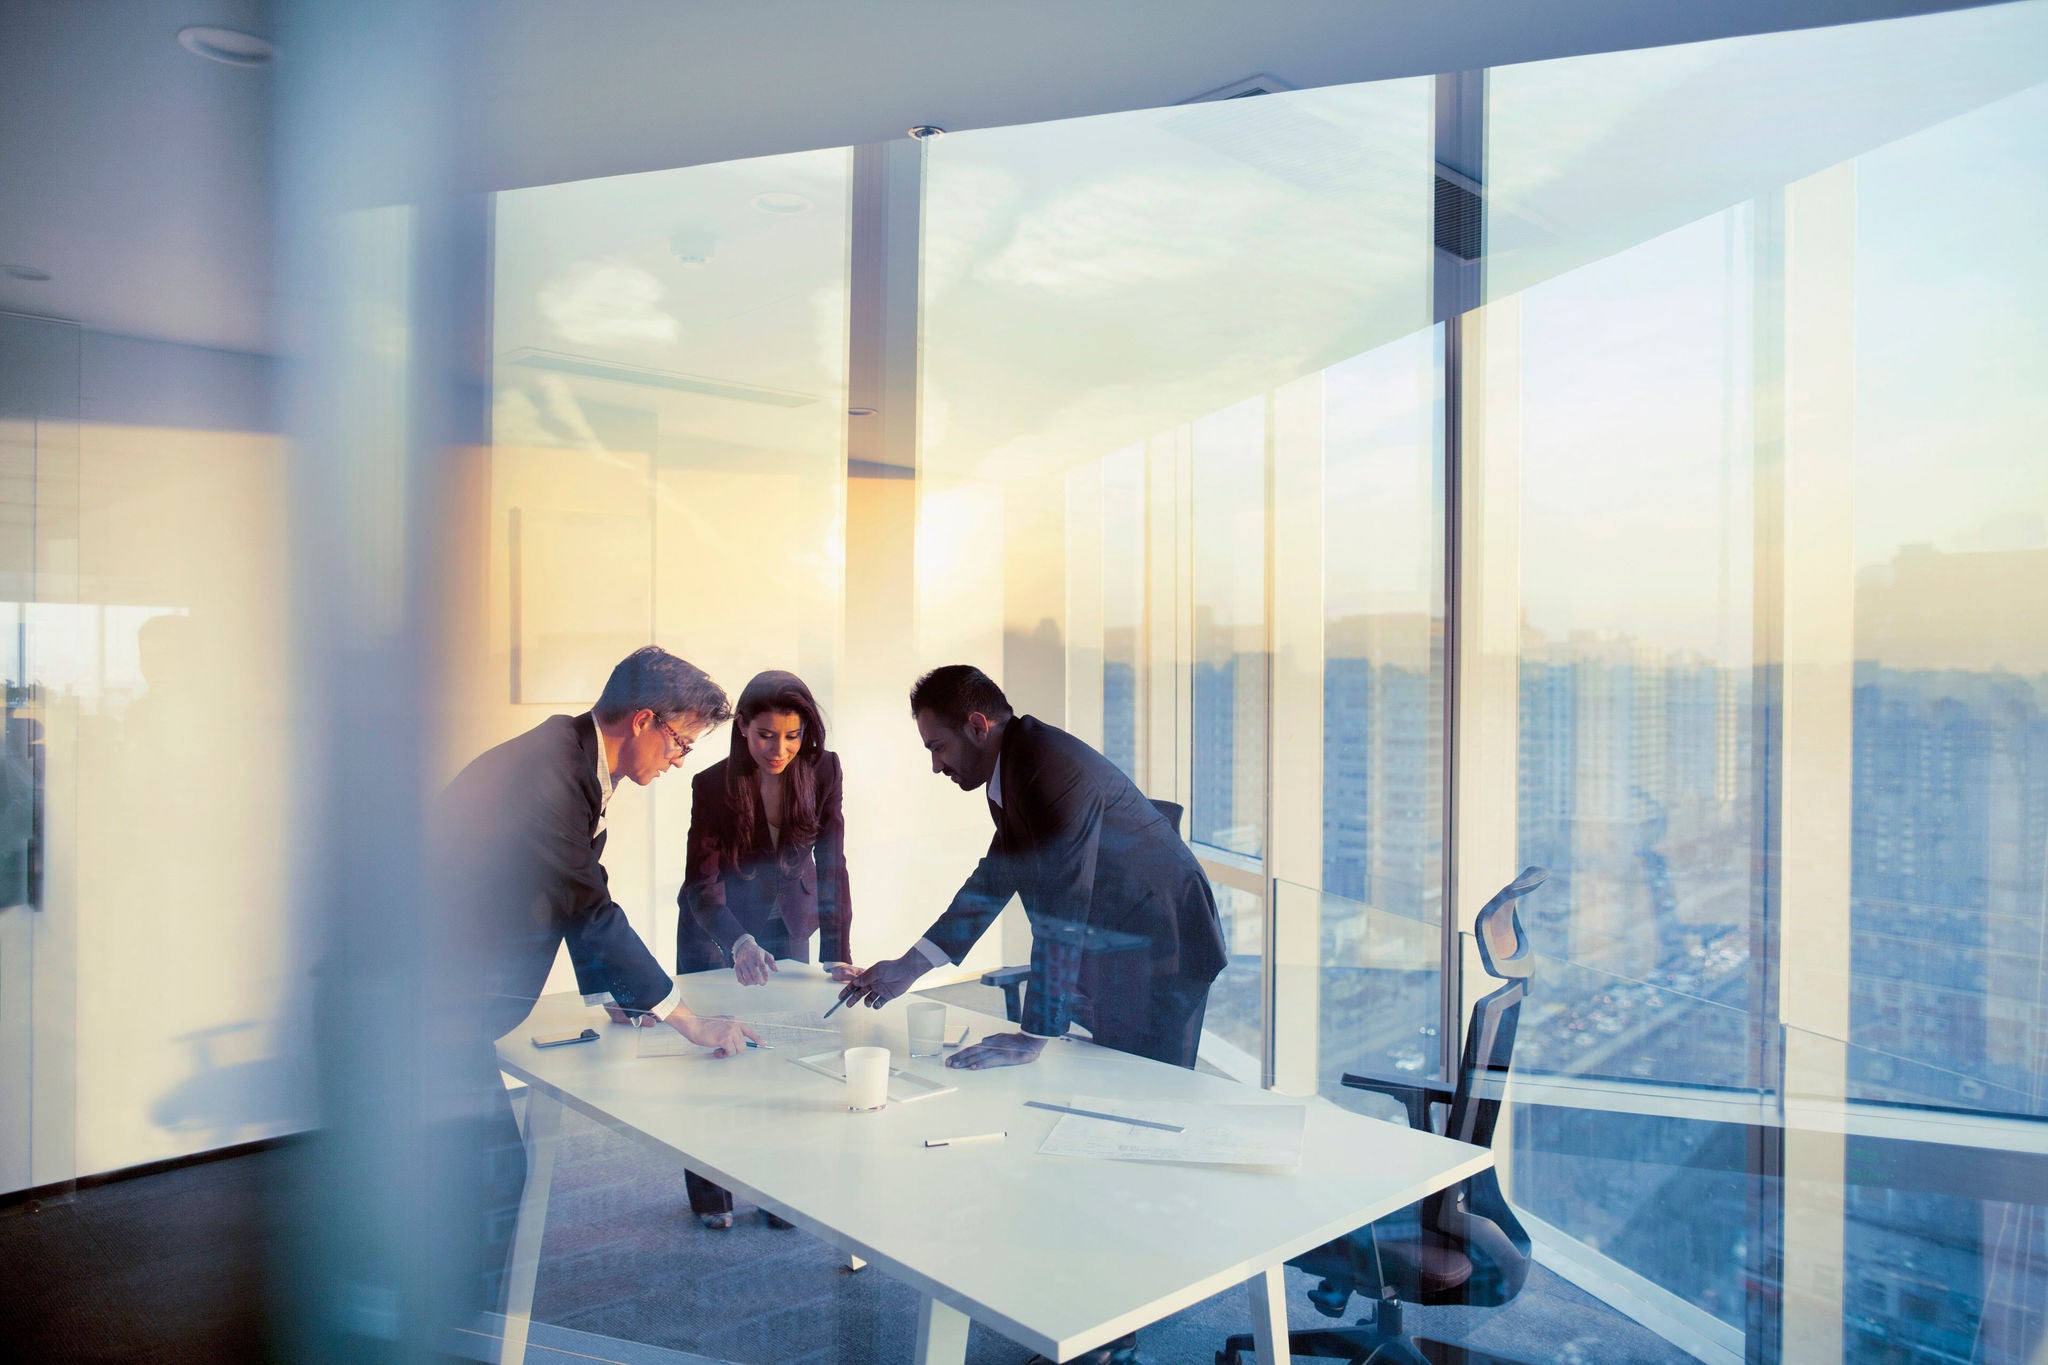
(941, 1334)
(1268, 1293)
(543, 1126)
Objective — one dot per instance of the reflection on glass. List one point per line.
(1382, 760)
(1948, 997)
(1229, 736)
(1378, 992)
(1234, 1013)
(1653, 228)
(1950, 815)
(1615, 1180)
(1635, 732)
(668, 458)
(1095, 282)
(1124, 673)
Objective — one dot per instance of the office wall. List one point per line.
(192, 976)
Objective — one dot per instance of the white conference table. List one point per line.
(1059, 1254)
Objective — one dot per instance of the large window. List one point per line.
(1948, 995)
(1229, 737)
(1382, 762)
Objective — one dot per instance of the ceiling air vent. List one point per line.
(1457, 219)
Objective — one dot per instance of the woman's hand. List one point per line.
(842, 972)
(751, 962)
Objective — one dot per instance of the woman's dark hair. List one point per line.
(774, 691)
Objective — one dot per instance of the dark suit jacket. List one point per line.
(519, 844)
(721, 901)
(1122, 919)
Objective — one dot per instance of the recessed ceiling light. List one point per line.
(781, 202)
(860, 412)
(227, 45)
(24, 272)
(924, 132)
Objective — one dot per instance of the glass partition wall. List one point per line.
(1622, 465)
(1688, 560)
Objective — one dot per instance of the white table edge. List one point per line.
(1152, 1311)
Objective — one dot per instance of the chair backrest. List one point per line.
(1505, 951)
(1500, 1253)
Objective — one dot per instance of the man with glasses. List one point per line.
(520, 834)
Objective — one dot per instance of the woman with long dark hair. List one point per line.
(767, 859)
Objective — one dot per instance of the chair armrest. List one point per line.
(1011, 981)
(1414, 1093)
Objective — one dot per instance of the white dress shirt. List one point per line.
(604, 800)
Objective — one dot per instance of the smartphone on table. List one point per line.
(588, 1035)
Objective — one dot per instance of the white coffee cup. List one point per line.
(867, 1077)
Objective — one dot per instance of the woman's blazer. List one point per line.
(719, 901)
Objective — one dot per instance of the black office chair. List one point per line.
(1010, 980)
(1462, 1245)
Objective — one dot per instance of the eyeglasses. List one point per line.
(682, 745)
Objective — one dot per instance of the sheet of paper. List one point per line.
(1211, 1134)
(663, 1041)
(778, 1032)
(791, 1030)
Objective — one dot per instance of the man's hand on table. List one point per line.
(751, 963)
(998, 1049)
(725, 1037)
(884, 981)
(842, 972)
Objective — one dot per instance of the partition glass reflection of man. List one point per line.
(1125, 938)
(521, 830)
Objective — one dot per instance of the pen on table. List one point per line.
(971, 1137)
(765, 1047)
(835, 1007)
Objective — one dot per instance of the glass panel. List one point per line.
(1636, 706)
(1378, 992)
(1950, 817)
(669, 421)
(1124, 674)
(1229, 739)
(1099, 281)
(44, 635)
(1949, 823)
(1946, 1216)
(1607, 1161)
(1234, 1013)
(1383, 558)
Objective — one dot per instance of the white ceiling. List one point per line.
(139, 176)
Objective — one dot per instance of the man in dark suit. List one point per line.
(1125, 937)
(1124, 933)
(519, 835)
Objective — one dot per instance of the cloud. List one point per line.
(1124, 231)
(609, 303)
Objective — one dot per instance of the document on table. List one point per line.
(1211, 1134)
(776, 1031)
